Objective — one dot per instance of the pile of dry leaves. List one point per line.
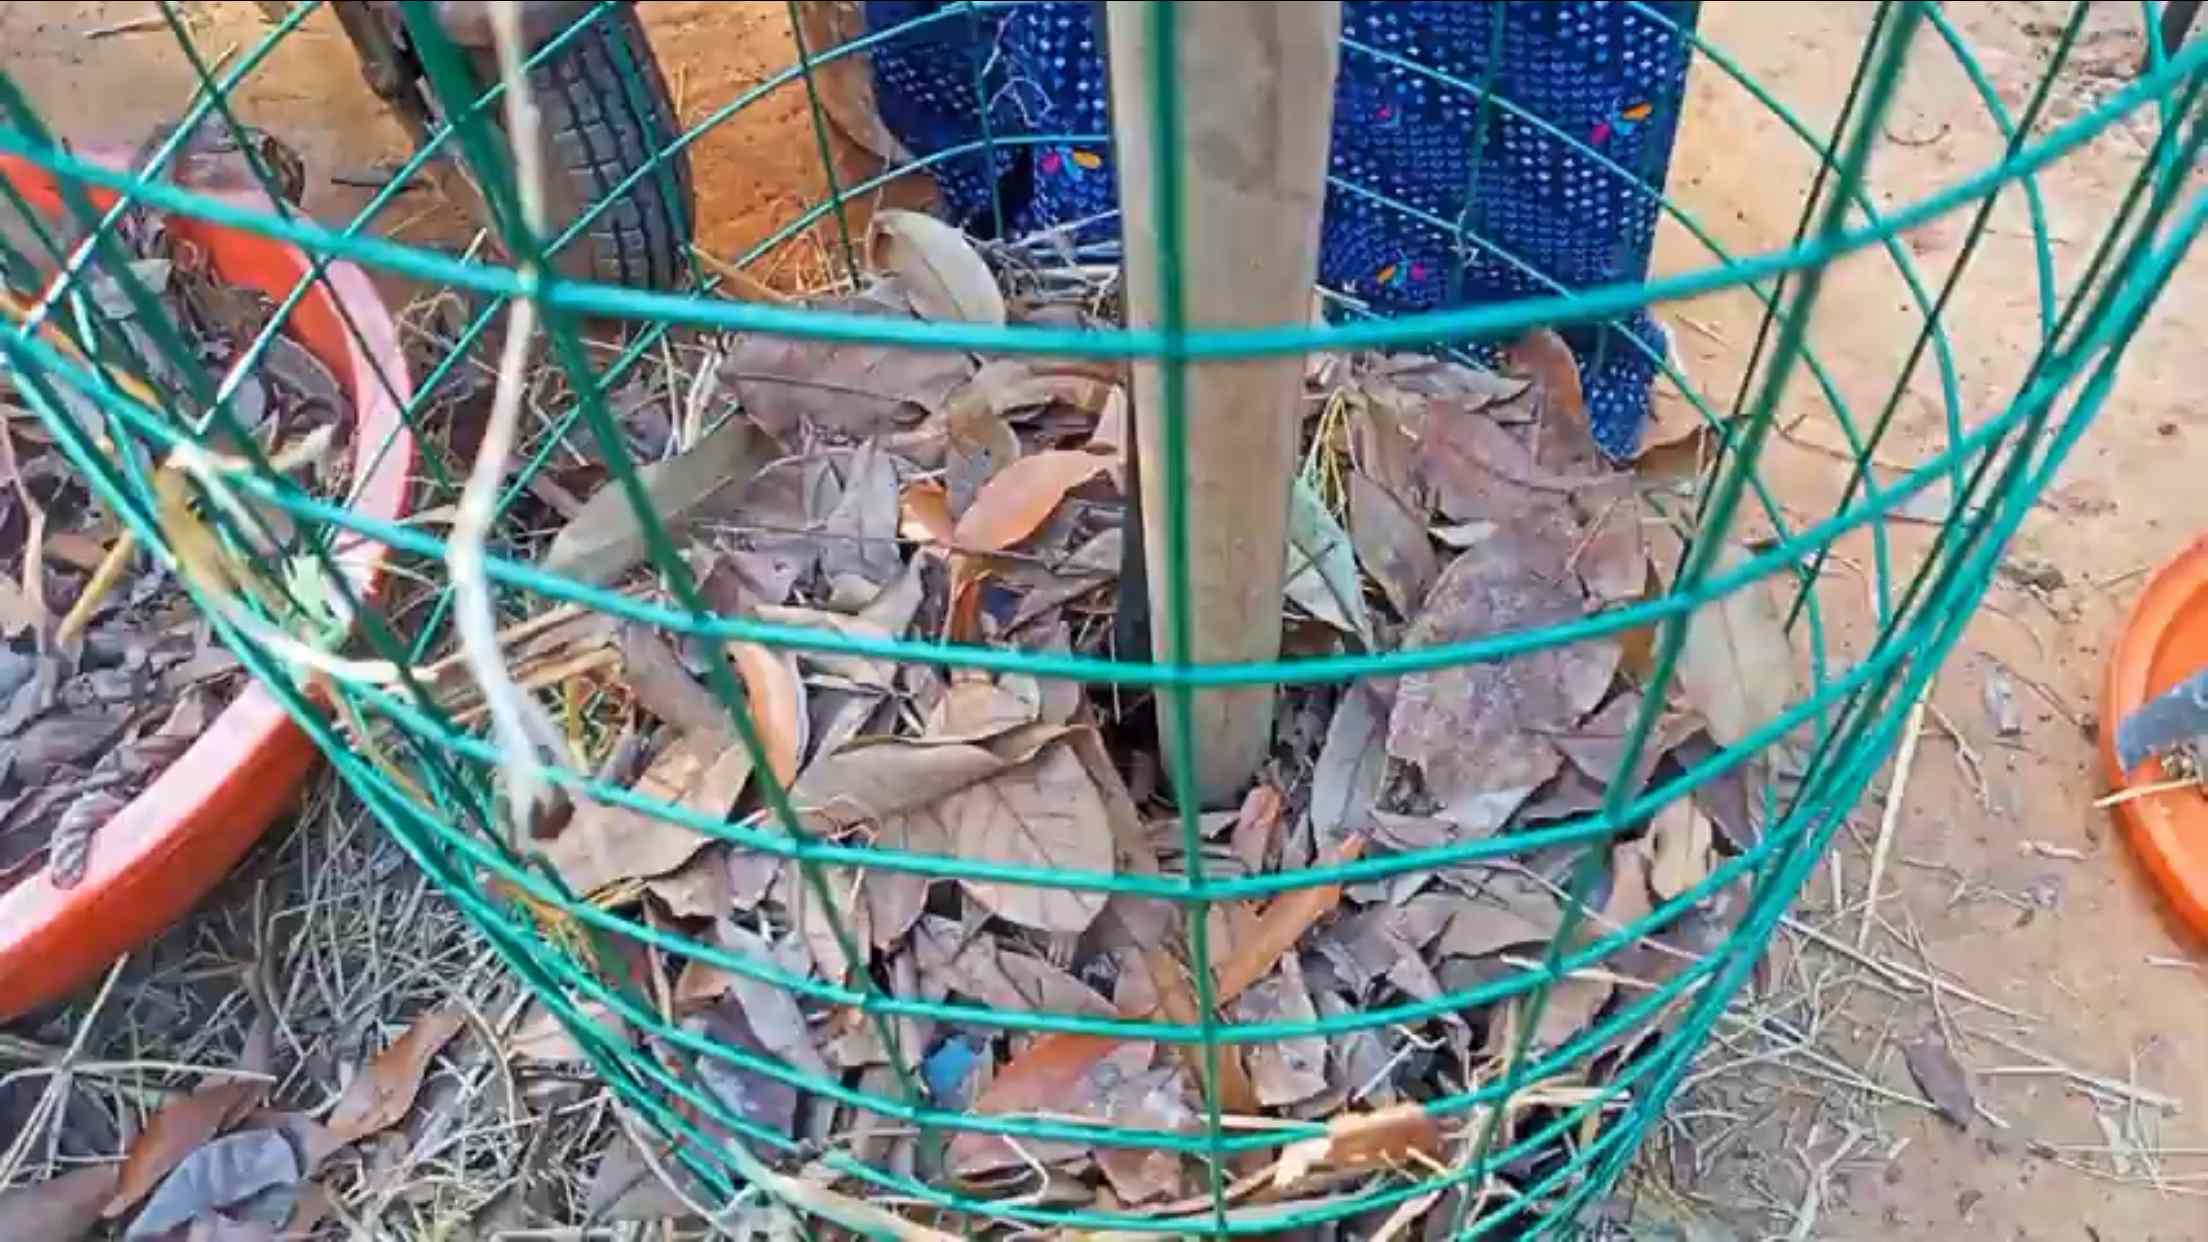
(897, 494)
(930, 496)
(108, 671)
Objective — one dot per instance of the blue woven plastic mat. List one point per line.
(1418, 162)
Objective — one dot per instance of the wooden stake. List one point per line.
(1256, 88)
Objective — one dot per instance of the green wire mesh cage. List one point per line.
(715, 831)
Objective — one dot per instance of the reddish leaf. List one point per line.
(926, 513)
(1255, 825)
(180, 1128)
(1054, 1067)
(385, 1088)
(1054, 1075)
(1387, 1138)
(1279, 928)
(1022, 497)
(777, 702)
(61, 1209)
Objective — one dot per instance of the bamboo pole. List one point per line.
(1255, 84)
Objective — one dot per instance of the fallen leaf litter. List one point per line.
(895, 494)
(109, 671)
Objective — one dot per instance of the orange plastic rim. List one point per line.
(176, 840)
(2164, 642)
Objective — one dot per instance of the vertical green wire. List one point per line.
(982, 109)
(1812, 200)
(1958, 495)
(449, 76)
(1482, 118)
(1888, 55)
(1166, 199)
(826, 147)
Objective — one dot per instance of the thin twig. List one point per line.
(1902, 764)
(2136, 792)
(2048, 1065)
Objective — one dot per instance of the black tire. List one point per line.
(600, 127)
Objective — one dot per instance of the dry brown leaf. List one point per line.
(605, 843)
(182, 1127)
(699, 889)
(925, 513)
(59, 1209)
(601, 542)
(1153, 1100)
(1679, 849)
(978, 443)
(978, 707)
(1565, 440)
(871, 779)
(859, 536)
(1411, 380)
(1575, 999)
(772, 1010)
(1509, 910)
(761, 1099)
(865, 670)
(1573, 1002)
(818, 922)
(541, 1036)
(380, 1095)
(1109, 437)
(941, 270)
(1140, 921)
(849, 388)
(1285, 1071)
(1353, 764)
(1163, 976)
(1255, 825)
(1020, 498)
(1391, 543)
(1008, 982)
(1046, 813)
(664, 687)
(1612, 559)
(1942, 1079)
(1737, 666)
(777, 701)
(1279, 928)
(1006, 386)
(896, 899)
(1480, 471)
(1055, 1066)
(1597, 746)
(1479, 733)
(1386, 452)
(1389, 1138)
(1058, 1074)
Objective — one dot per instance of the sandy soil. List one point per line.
(2127, 499)
(2074, 942)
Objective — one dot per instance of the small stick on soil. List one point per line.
(2137, 792)
(2086, 1078)
(132, 25)
(753, 287)
(1902, 763)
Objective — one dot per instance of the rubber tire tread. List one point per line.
(597, 134)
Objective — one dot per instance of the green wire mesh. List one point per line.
(432, 780)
